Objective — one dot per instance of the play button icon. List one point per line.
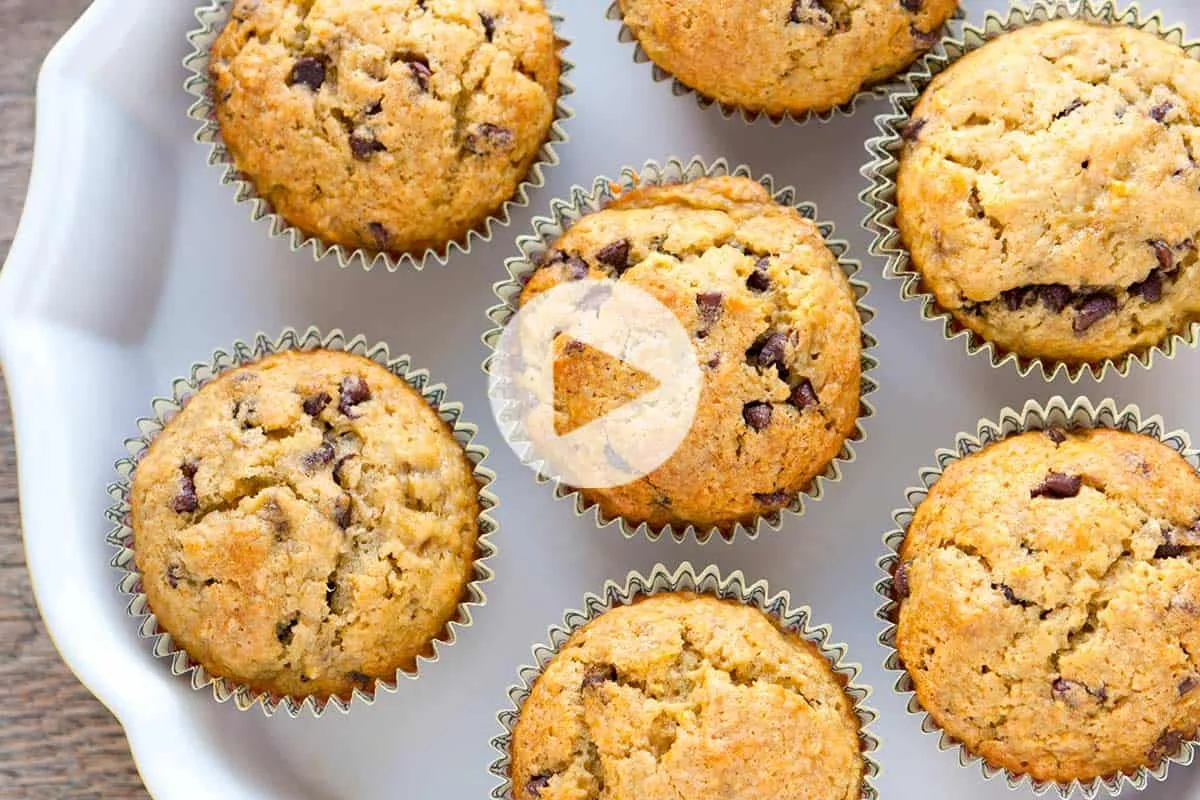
(595, 383)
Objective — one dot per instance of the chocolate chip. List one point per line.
(319, 457)
(421, 73)
(1055, 296)
(615, 255)
(354, 390)
(1176, 542)
(811, 12)
(711, 305)
(489, 24)
(186, 501)
(1010, 595)
(1015, 298)
(1159, 112)
(1058, 486)
(374, 109)
(1061, 689)
(363, 144)
(361, 678)
(308, 71)
(174, 575)
(330, 591)
(341, 511)
(1071, 108)
(911, 130)
(1162, 251)
(768, 351)
(775, 499)
(283, 631)
(1056, 435)
(913, 6)
(759, 280)
(900, 586)
(1188, 685)
(379, 235)
(533, 788)
(1092, 309)
(924, 40)
(337, 470)
(804, 395)
(714, 362)
(488, 137)
(1151, 289)
(757, 415)
(316, 404)
(1166, 745)
(598, 674)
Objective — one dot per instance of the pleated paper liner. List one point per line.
(686, 578)
(212, 17)
(583, 201)
(883, 151)
(165, 408)
(1057, 413)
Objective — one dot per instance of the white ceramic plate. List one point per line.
(132, 262)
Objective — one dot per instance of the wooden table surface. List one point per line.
(56, 741)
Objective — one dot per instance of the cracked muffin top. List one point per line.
(781, 56)
(673, 697)
(773, 322)
(305, 525)
(1050, 603)
(392, 125)
(1048, 190)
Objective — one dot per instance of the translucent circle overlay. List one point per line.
(646, 375)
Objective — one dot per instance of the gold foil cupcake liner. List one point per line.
(212, 18)
(686, 578)
(749, 116)
(583, 201)
(165, 408)
(883, 166)
(1057, 413)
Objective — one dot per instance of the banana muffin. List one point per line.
(773, 322)
(391, 125)
(785, 56)
(674, 696)
(1049, 591)
(305, 525)
(1047, 191)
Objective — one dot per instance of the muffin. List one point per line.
(392, 125)
(673, 696)
(785, 56)
(1047, 191)
(305, 525)
(1049, 597)
(775, 329)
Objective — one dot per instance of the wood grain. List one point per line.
(56, 741)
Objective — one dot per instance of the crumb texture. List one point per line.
(775, 329)
(306, 524)
(1053, 600)
(673, 697)
(782, 56)
(389, 125)
(1049, 191)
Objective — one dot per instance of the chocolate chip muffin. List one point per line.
(774, 325)
(305, 525)
(785, 56)
(393, 125)
(673, 696)
(1047, 191)
(1050, 603)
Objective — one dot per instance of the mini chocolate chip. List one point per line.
(322, 455)
(759, 280)
(775, 499)
(911, 130)
(1010, 595)
(308, 71)
(1188, 685)
(757, 415)
(341, 511)
(379, 235)
(1055, 296)
(913, 6)
(488, 137)
(768, 351)
(316, 404)
(1015, 298)
(711, 305)
(1058, 486)
(811, 12)
(924, 40)
(1159, 112)
(534, 786)
(1092, 309)
(615, 255)
(283, 631)
(421, 74)
(186, 501)
(900, 587)
(715, 361)
(804, 395)
(489, 24)
(1071, 108)
(1151, 289)
(1162, 251)
(374, 109)
(174, 575)
(1166, 745)
(598, 674)
(363, 144)
(354, 390)
(361, 678)
(1061, 689)
(1056, 435)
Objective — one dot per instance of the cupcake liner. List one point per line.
(582, 201)
(165, 408)
(749, 116)
(883, 166)
(1033, 417)
(687, 579)
(212, 18)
